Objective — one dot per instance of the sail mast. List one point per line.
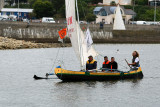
(79, 37)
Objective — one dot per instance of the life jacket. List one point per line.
(92, 62)
(133, 60)
(106, 62)
(91, 65)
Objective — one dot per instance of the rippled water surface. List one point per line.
(19, 89)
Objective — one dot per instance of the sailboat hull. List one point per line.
(67, 75)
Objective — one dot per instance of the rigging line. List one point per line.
(55, 60)
(63, 45)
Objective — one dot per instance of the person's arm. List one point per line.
(109, 65)
(102, 65)
(95, 64)
(86, 66)
(132, 63)
(116, 65)
(136, 60)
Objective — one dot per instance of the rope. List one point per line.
(54, 60)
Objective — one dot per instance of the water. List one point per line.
(19, 89)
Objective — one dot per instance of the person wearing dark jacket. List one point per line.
(91, 63)
(106, 63)
(113, 63)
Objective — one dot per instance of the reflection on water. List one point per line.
(19, 89)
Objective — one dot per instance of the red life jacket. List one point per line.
(106, 62)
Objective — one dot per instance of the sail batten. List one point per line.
(76, 35)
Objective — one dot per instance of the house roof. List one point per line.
(129, 12)
(111, 10)
(16, 10)
(97, 8)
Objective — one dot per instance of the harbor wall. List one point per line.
(48, 33)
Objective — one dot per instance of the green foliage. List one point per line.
(43, 9)
(90, 17)
(112, 3)
(145, 13)
(140, 2)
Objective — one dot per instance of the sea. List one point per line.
(18, 88)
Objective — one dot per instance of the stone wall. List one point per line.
(42, 32)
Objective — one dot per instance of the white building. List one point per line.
(106, 14)
(152, 2)
(21, 13)
(122, 2)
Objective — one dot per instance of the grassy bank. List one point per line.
(9, 43)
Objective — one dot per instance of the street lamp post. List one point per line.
(18, 9)
(155, 3)
(133, 8)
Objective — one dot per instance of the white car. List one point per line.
(48, 20)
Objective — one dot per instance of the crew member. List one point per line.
(91, 63)
(113, 63)
(106, 63)
(135, 60)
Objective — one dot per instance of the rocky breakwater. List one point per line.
(9, 43)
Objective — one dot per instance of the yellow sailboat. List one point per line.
(83, 48)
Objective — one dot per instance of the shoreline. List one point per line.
(12, 44)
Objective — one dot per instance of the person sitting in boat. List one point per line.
(91, 63)
(135, 60)
(113, 63)
(106, 63)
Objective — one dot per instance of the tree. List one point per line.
(112, 3)
(43, 9)
(90, 17)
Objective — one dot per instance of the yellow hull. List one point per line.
(83, 75)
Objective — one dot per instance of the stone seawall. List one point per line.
(42, 32)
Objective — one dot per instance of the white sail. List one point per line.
(71, 25)
(85, 52)
(76, 35)
(118, 22)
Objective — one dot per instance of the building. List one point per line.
(122, 2)
(1, 4)
(152, 2)
(106, 14)
(23, 13)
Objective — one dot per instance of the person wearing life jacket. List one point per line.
(91, 63)
(113, 63)
(135, 60)
(106, 63)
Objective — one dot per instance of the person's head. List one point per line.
(106, 58)
(135, 54)
(112, 59)
(90, 58)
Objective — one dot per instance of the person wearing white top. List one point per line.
(135, 60)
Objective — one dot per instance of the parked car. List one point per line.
(48, 20)
(1, 18)
(141, 23)
(25, 20)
